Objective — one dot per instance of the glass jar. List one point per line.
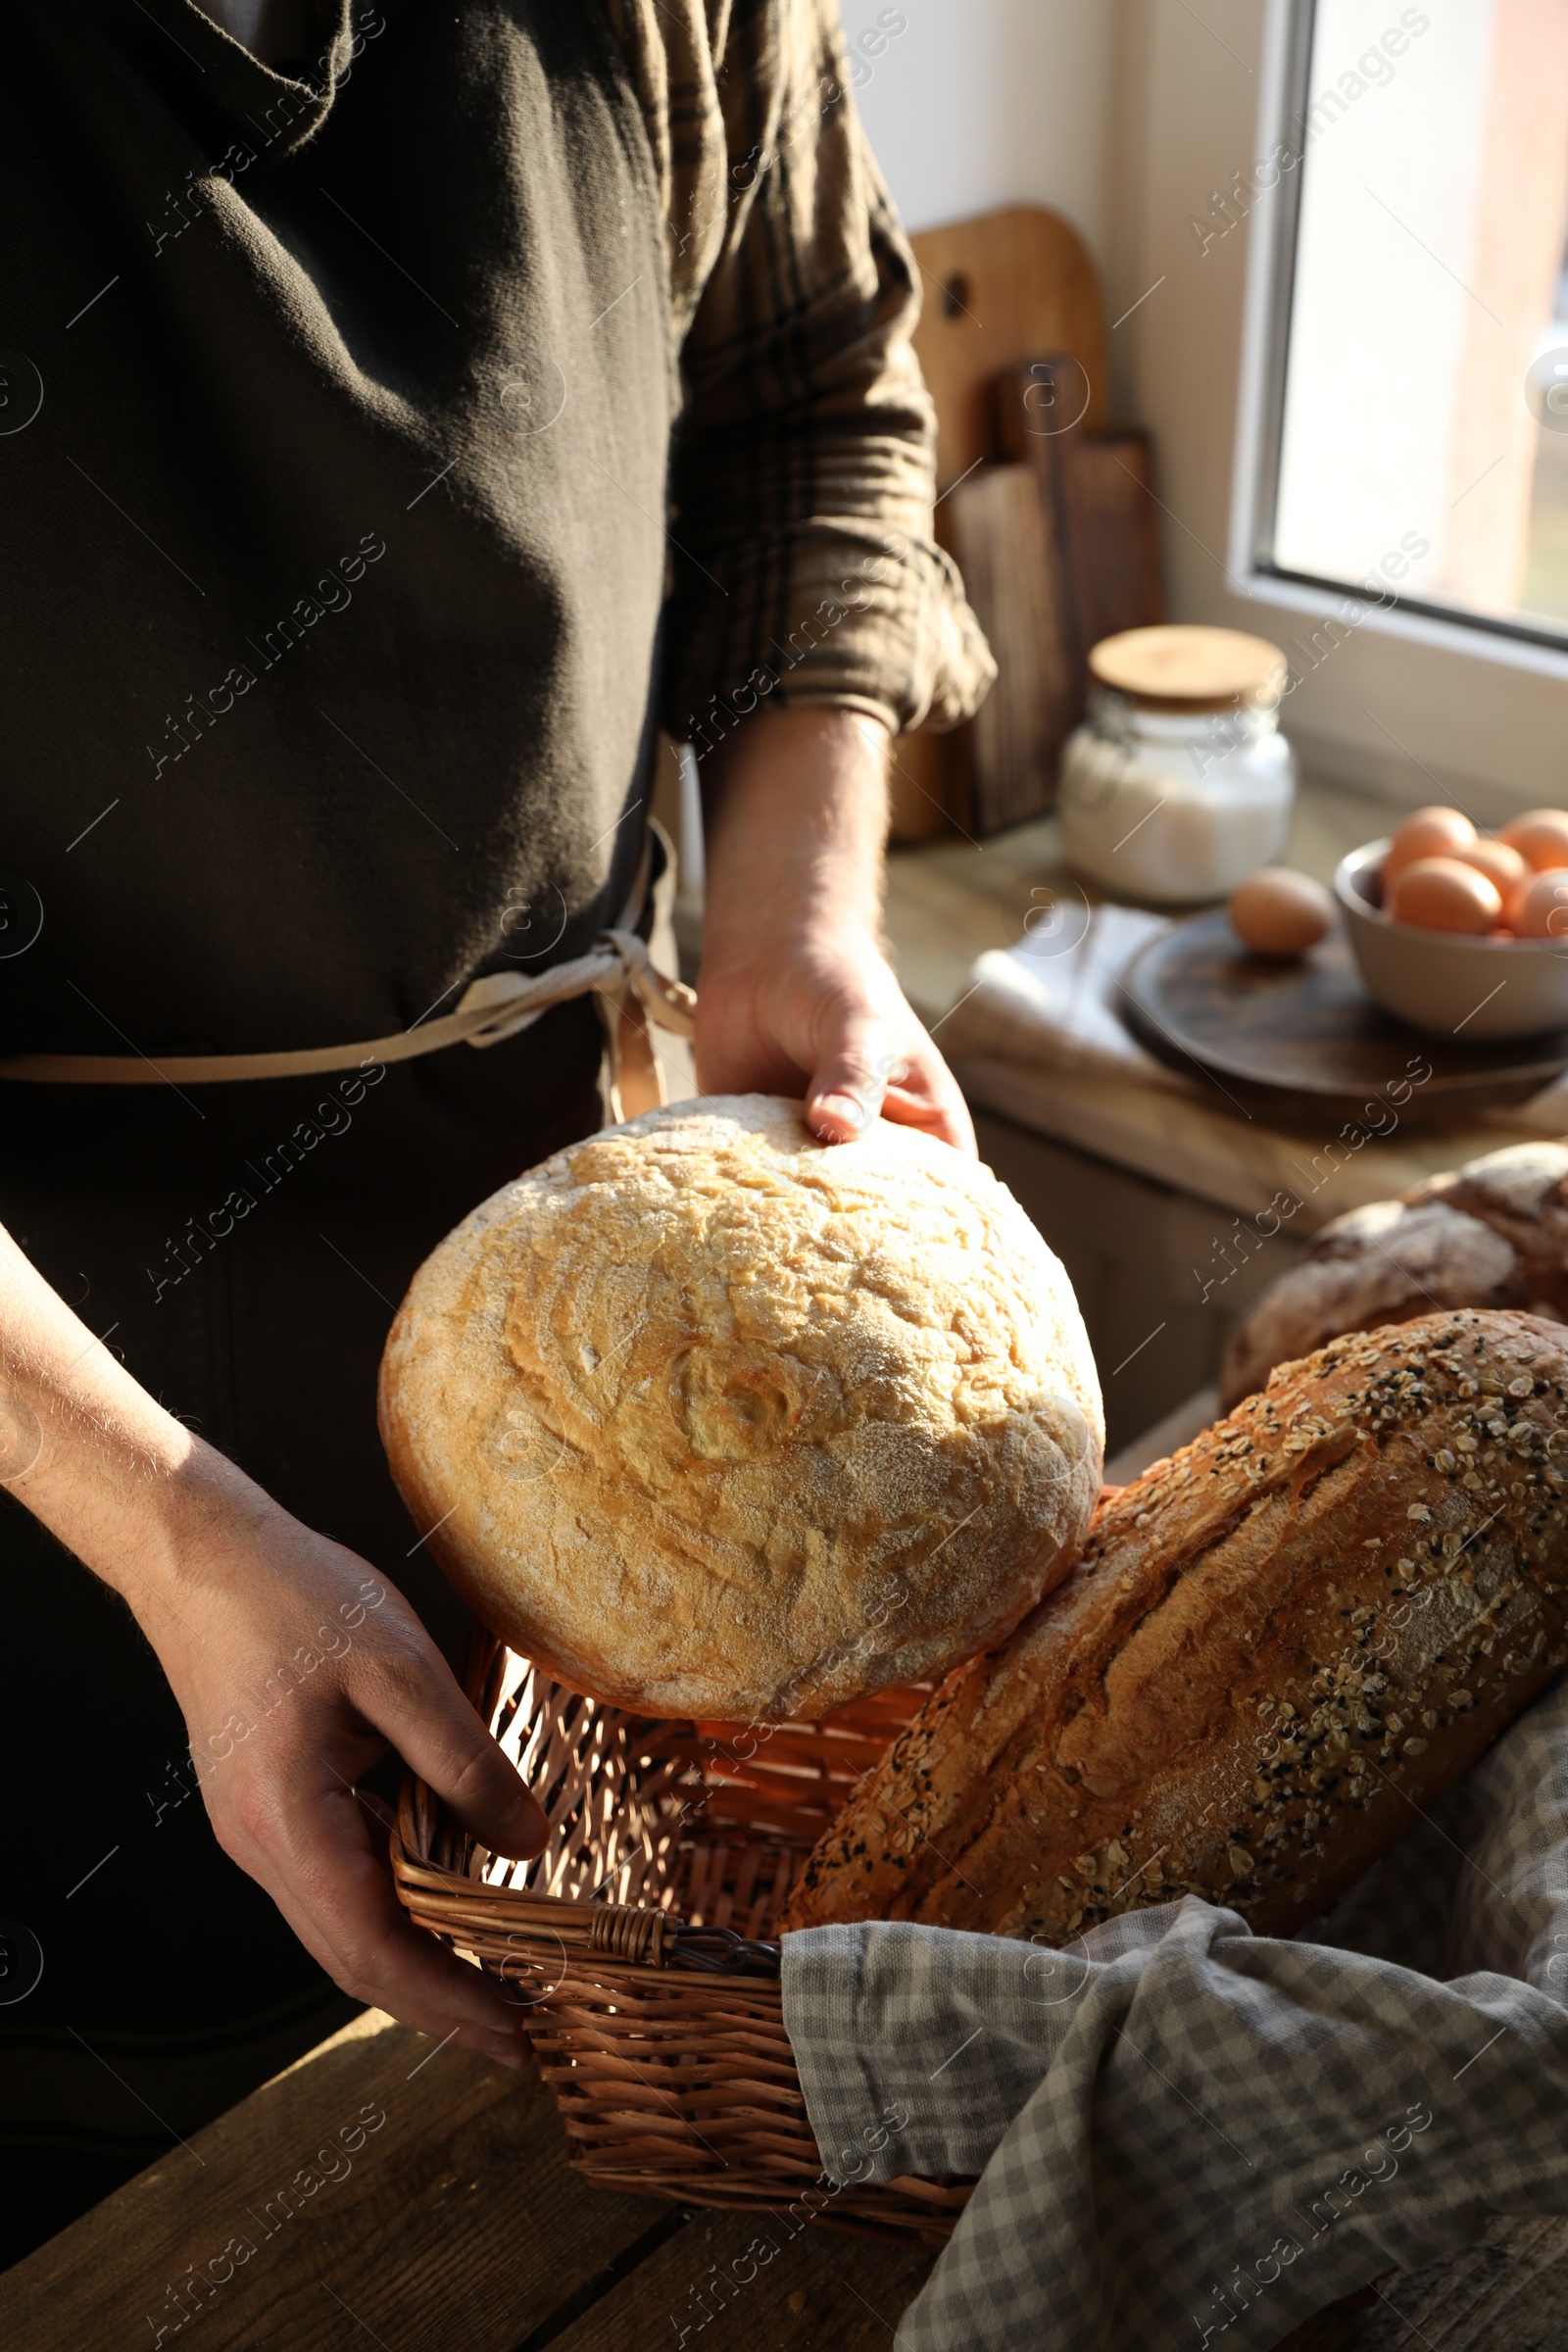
(1175, 805)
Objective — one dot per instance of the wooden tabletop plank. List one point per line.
(1214, 1156)
(385, 2183)
(388, 2190)
(1508, 2295)
(755, 2281)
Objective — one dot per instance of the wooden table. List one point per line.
(949, 900)
(452, 2224)
(1152, 1196)
(394, 2191)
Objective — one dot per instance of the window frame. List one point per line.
(1274, 223)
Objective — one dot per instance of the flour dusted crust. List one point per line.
(1493, 1233)
(1277, 1643)
(711, 1420)
(1522, 1194)
(1386, 1263)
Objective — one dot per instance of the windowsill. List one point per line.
(1496, 647)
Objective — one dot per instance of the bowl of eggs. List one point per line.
(1463, 934)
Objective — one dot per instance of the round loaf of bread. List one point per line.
(710, 1419)
(1493, 1233)
(1280, 1646)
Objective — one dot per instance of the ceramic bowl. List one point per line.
(1441, 981)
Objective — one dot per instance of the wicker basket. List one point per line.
(639, 1942)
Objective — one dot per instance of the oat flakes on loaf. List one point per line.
(1493, 1234)
(711, 1420)
(1278, 1644)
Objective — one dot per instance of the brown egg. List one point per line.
(1540, 910)
(1278, 912)
(1442, 893)
(1541, 836)
(1499, 864)
(1429, 833)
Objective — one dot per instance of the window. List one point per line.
(1415, 429)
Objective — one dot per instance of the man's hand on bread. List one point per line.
(294, 1662)
(797, 997)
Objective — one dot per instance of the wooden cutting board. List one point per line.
(997, 289)
(1002, 765)
(1303, 1044)
(994, 289)
(1101, 487)
(1111, 529)
(1058, 550)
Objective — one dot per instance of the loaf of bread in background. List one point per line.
(1279, 1643)
(708, 1418)
(1493, 1233)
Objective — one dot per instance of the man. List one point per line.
(404, 411)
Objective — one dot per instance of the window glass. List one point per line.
(1423, 418)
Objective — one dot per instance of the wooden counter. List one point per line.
(950, 900)
(396, 2192)
(1150, 1194)
(443, 2218)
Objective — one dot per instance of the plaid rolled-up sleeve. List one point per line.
(804, 567)
(1186, 2133)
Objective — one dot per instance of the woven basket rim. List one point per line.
(418, 1873)
(663, 2043)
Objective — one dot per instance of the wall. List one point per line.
(980, 103)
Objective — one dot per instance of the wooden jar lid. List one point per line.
(1176, 668)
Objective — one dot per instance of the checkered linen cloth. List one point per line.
(1188, 2134)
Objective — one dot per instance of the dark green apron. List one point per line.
(332, 490)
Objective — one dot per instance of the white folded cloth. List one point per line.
(1054, 1000)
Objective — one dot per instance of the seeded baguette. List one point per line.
(1278, 1644)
